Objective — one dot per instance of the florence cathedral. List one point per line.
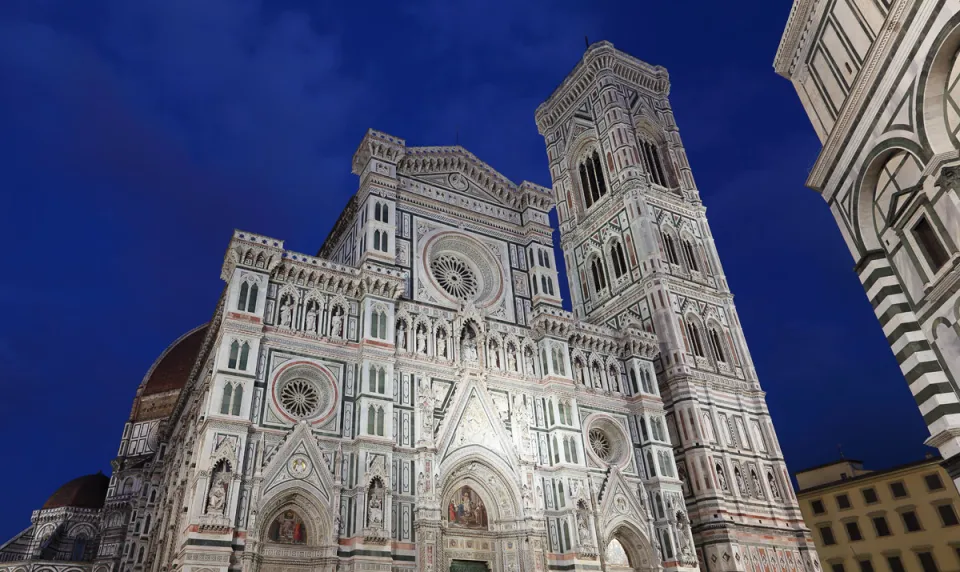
(415, 397)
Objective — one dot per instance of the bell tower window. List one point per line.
(599, 277)
(671, 248)
(651, 163)
(619, 260)
(592, 184)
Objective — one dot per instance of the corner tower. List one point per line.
(638, 250)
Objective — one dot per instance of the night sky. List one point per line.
(136, 135)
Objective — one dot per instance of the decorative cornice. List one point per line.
(798, 23)
(599, 58)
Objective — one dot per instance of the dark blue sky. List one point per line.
(137, 135)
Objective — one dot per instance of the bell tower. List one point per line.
(638, 250)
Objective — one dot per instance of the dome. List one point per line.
(172, 368)
(83, 492)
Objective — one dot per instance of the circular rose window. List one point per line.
(607, 440)
(305, 391)
(459, 268)
(299, 398)
(600, 444)
(455, 276)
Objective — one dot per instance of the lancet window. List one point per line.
(592, 183)
(247, 300)
(239, 355)
(232, 399)
(650, 155)
(619, 260)
(696, 344)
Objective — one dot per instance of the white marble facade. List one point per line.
(414, 397)
(879, 82)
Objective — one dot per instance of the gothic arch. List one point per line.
(930, 103)
(629, 533)
(865, 187)
(318, 521)
(488, 476)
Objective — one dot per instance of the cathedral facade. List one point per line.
(415, 397)
(879, 82)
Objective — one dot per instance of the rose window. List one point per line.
(455, 277)
(299, 397)
(600, 444)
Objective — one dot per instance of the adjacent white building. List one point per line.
(414, 397)
(879, 80)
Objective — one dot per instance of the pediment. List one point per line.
(620, 499)
(456, 169)
(299, 461)
(475, 422)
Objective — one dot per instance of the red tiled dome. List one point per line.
(172, 368)
(82, 492)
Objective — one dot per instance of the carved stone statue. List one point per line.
(578, 373)
(512, 360)
(527, 498)
(312, 318)
(583, 530)
(336, 324)
(683, 538)
(773, 486)
(470, 348)
(441, 345)
(421, 484)
(286, 314)
(375, 509)
(722, 478)
(528, 363)
(756, 484)
(740, 484)
(421, 341)
(402, 336)
(217, 500)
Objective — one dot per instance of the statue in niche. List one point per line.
(375, 506)
(336, 322)
(583, 530)
(756, 484)
(421, 340)
(470, 347)
(286, 313)
(441, 344)
(495, 354)
(421, 484)
(402, 336)
(773, 486)
(512, 358)
(578, 372)
(527, 498)
(597, 375)
(218, 496)
(722, 478)
(311, 318)
(528, 362)
(683, 537)
(740, 484)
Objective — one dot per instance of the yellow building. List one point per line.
(899, 519)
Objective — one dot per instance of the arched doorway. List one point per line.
(628, 549)
(294, 532)
(481, 520)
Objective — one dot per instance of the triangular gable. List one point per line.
(300, 461)
(457, 169)
(619, 499)
(474, 422)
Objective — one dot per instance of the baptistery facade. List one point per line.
(415, 397)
